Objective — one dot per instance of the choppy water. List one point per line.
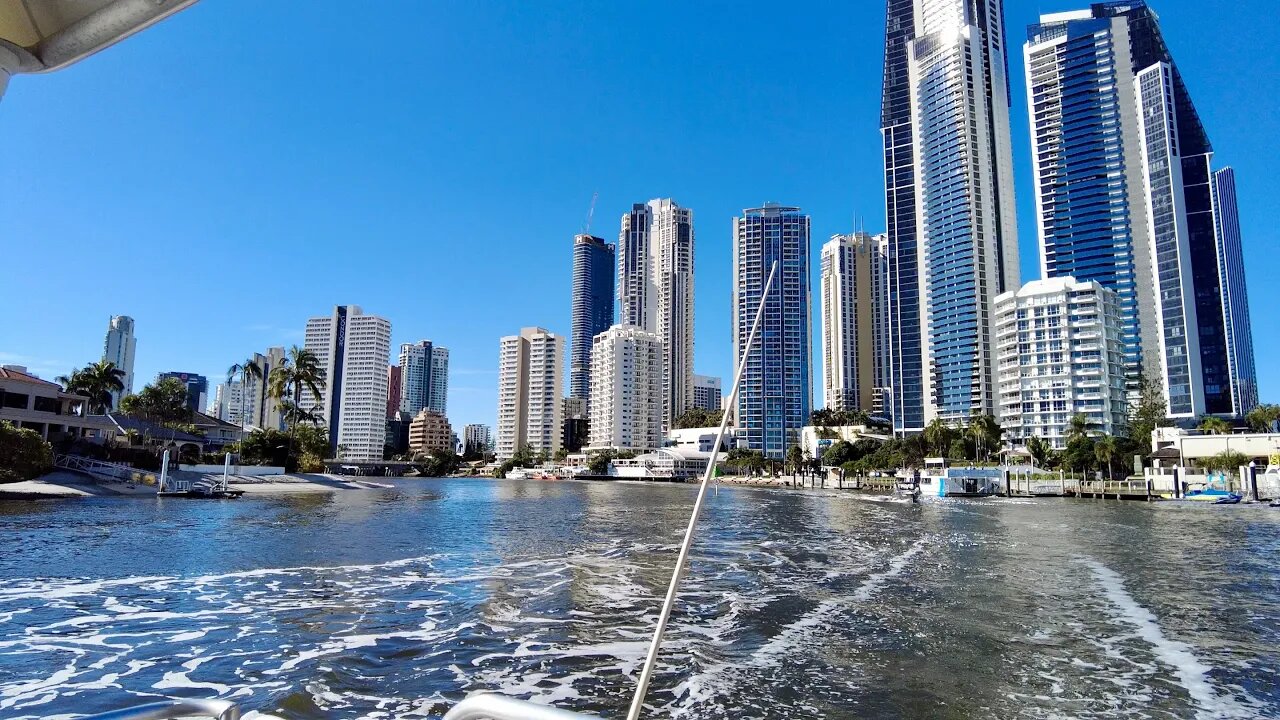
(798, 604)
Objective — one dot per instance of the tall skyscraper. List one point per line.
(197, 388)
(261, 410)
(592, 306)
(228, 403)
(625, 411)
(655, 290)
(119, 348)
(1235, 298)
(775, 399)
(1062, 354)
(530, 392)
(966, 232)
(882, 333)
(707, 393)
(848, 321)
(424, 378)
(353, 349)
(1126, 195)
(906, 400)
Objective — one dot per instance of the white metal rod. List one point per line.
(646, 674)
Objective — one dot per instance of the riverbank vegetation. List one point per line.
(24, 455)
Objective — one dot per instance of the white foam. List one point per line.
(1192, 673)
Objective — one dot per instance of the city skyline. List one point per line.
(209, 348)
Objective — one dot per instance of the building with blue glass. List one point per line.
(197, 388)
(592, 307)
(775, 399)
(1126, 195)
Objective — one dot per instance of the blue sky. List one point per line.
(246, 165)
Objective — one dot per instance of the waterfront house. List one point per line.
(39, 405)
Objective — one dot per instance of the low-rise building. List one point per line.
(28, 402)
(701, 439)
(430, 431)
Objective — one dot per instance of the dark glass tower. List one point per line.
(592, 306)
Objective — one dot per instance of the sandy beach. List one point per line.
(66, 485)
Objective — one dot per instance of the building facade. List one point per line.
(655, 290)
(260, 409)
(424, 378)
(394, 389)
(849, 321)
(530, 392)
(966, 231)
(429, 430)
(775, 399)
(707, 393)
(882, 331)
(477, 437)
(197, 388)
(625, 411)
(352, 349)
(228, 403)
(1127, 195)
(119, 348)
(591, 306)
(1061, 353)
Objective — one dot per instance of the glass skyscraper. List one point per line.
(775, 400)
(1126, 195)
(592, 307)
(1235, 299)
(956, 113)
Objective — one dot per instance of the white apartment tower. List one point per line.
(424, 378)
(655, 290)
(966, 232)
(353, 349)
(1061, 353)
(707, 393)
(228, 402)
(625, 409)
(258, 409)
(530, 392)
(849, 321)
(119, 348)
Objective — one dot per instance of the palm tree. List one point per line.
(1210, 425)
(1079, 427)
(1105, 451)
(299, 369)
(938, 435)
(1039, 449)
(99, 382)
(247, 370)
(985, 433)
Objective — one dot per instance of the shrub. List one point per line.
(24, 455)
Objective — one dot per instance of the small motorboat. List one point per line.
(1231, 499)
(1274, 504)
(1214, 491)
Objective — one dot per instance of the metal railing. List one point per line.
(497, 707)
(173, 709)
(101, 469)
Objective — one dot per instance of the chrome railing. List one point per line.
(173, 709)
(497, 707)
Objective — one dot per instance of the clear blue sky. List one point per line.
(246, 165)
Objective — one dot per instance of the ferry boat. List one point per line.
(970, 482)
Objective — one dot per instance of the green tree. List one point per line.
(1040, 449)
(939, 436)
(1147, 414)
(699, 418)
(1227, 461)
(163, 402)
(1263, 418)
(1210, 425)
(1080, 426)
(96, 382)
(985, 432)
(24, 455)
(1104, 450)
(299, 370)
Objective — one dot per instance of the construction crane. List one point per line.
(586, 229)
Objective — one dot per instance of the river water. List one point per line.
(798, 604)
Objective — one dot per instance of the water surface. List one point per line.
(798, 603)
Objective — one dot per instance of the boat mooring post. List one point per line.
(164, 471)
(226, 472)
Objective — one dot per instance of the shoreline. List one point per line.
(64, 485)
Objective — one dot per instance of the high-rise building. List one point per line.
(1061, 354)
(625, 409)
(119, 348)
(905, 360)
(530, 392)
(260, 409)
(1235, 299)
(575, 424)
(882, 330)
(477, 437)
(197, 388)
(849, 327)
(655, 291)
(424, 377)
(707, 393)
(592, 306)
(1126, 195)
(353, 349)
(228, 403)
(775, 400)
(966, 232)
(394, 378)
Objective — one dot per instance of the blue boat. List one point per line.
(1214, 491)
